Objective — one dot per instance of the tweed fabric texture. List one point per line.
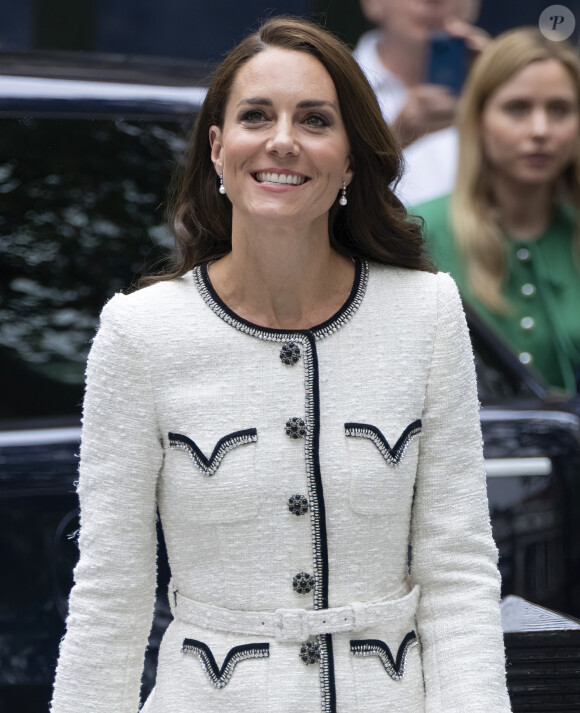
(170, 359)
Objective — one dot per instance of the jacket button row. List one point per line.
(309, 653)
(290, 353)
(295, 427)
(303, 583)
(298, 504)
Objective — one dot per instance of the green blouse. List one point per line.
(542, 288)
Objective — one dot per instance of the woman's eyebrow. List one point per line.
(314, 103)
(304, 104)
(256, 101)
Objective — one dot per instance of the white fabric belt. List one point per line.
(294, 624)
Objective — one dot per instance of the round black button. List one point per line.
(309, 653)
(303, 583)
(290, 353)
(295, 427)
(298, 504)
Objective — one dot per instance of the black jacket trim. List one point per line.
(327, 679)
(391, 455)
(315, 480)
(320, 331)
(376, 647)
(220, 677)
(209, 466)
(318, 521)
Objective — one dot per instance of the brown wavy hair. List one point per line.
(373, 226)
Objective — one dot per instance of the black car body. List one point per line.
(86, 152)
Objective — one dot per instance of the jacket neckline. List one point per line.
(338, 319)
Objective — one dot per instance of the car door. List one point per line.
(532, 449)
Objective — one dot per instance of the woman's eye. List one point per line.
(560, 109)
(253, 116)
(517, 108)
(317, 121)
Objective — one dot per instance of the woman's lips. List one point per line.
(537, 159)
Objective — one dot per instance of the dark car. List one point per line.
(86, 154)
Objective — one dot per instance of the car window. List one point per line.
(82, 213)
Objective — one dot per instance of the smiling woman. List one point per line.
(282, 159)
(296, 397)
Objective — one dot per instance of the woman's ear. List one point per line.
(216, 144)
(349, 172)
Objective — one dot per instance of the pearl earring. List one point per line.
(222, 189)
(342, 200)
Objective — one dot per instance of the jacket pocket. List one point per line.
(217, 483)
(218, 676)
(394, 665)
(382, 471)
(385, 660)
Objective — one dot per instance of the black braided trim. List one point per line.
(220, 677)
(209, 466)
(391, 455)
(376, 647)
(337, 321)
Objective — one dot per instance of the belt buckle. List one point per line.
(291, 624)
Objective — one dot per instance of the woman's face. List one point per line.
(283, 148)
(530, 125)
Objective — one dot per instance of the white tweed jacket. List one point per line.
(322, 496)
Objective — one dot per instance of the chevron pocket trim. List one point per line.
(209, 466)
(376, 647)
(391, 455)
(220, 677)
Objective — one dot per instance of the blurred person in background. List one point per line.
(509, 232)
(395, 58)
(297, 398)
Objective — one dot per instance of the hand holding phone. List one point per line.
(447, 64)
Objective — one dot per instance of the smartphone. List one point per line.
(447, 63)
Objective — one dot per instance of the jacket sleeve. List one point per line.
(111, 603)
(454, 558)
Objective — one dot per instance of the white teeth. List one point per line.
(267, 177)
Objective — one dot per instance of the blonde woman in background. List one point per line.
(508, 234)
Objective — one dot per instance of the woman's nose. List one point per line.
(282, 140)
(540, 123)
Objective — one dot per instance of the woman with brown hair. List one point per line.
(297, 399)
(509, 234)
